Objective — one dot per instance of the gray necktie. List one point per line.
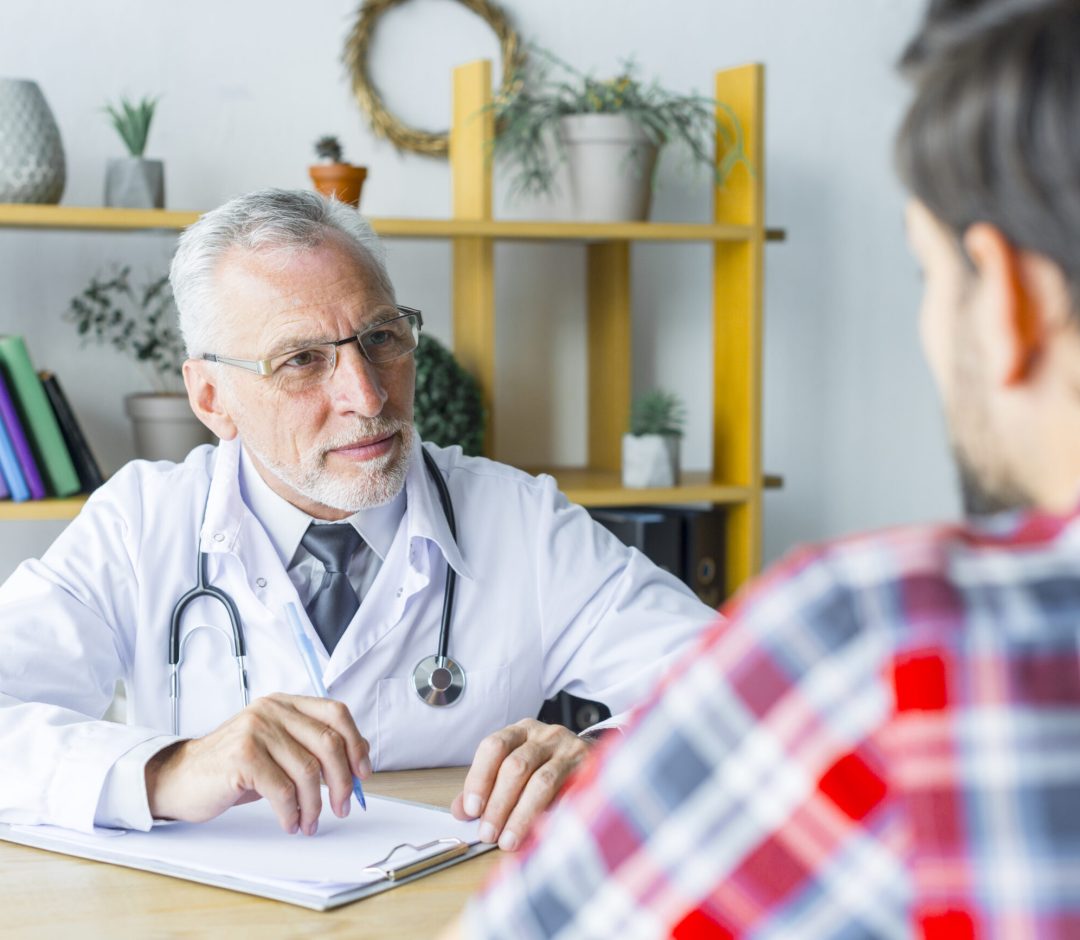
(332, 607)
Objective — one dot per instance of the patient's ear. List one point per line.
(205, 395)
(1023, 300)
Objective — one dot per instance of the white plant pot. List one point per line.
(165, 426)
(650, 460)
(31, 155)
(611, 162)
(135, 183)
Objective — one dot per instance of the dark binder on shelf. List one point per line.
(11, 425)
(85, 465)
(656, 533)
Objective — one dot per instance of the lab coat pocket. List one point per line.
(411, 733)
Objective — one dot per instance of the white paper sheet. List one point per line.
(247, 843)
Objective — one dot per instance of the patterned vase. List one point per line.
(31, 155)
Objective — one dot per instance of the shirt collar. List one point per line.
(286, 524)
(426, 518)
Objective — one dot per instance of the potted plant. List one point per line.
(134, 182)
(608, 130)
(447, 407)
(332, 176)
(140, 321)
(650, 452)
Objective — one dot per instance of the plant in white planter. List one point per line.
(134, 182)
(140, 321)
(650, 452)
(608, 130)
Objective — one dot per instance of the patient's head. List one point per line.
(990, 151)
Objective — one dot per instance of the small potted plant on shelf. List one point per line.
(134, 182)
(140, 321)
(650, 452)
(609, 131)
(332, 176)
(448, 408)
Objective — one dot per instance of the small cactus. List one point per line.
(328, 149)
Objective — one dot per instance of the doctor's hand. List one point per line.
(277, 748)
(515, 775)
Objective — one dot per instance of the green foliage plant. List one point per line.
(328, 149)
(546, 89)
(448, 408)
(139, 321)
(657, 412)
(132, 122)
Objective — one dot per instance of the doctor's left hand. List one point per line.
(278, 748)
(515, 775)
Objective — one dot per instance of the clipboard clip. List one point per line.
(455, 848)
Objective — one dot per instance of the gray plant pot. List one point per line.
(611, 162)
(165, 426)
(31, 154)
(650, 460)
(135, 183)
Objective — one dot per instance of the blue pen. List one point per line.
(311, 663)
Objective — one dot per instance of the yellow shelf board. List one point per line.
(96, 218)
(38, 509)
(596, 488)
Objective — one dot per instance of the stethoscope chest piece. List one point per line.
(439, 680)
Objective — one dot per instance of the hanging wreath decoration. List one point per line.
(382, 121)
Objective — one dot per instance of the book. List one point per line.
(9, 469)
(85, 465)
(38, 418)
(5, 493)
(9, 418)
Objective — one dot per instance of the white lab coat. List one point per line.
(546, 600)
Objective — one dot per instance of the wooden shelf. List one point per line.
(39, 509)
(93, 218)
(596, 488)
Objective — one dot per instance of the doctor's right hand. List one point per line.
(277, 748)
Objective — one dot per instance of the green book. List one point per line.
(38, 417)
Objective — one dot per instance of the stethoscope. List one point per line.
(439, 680)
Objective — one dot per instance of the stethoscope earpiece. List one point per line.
(439, 680)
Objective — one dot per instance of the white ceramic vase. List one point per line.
(611, 162)
(165, 426)
(32, 165)
(650, 460)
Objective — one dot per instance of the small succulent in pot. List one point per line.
(134, 182)
(328, 149)
(650, 452)
(333, 176)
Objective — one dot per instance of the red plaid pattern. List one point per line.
(883, 740)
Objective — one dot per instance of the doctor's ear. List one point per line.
(205, 395)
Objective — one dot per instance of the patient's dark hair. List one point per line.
(993, 133)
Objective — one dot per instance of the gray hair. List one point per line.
(265, 220)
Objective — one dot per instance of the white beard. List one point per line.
(373, 483)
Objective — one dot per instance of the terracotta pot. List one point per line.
(341, 181)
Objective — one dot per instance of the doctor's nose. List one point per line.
(356, 385)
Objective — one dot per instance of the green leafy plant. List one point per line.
(139, 321)
(132, 122)
(657, 412)
(448, 409)
(546, 89)
(328, 149)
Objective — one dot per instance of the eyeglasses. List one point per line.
(301, 369)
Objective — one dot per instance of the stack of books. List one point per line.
(43, 451)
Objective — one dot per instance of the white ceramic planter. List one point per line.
(165, 426)
(31, 155)
(611, 162)
(135, 183)
(650, 460)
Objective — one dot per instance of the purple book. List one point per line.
(15, 431)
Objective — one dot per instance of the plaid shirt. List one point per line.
(882, 741)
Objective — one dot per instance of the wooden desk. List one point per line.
(43, 894)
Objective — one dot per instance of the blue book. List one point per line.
(10, 469)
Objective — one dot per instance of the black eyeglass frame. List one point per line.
(266, 366)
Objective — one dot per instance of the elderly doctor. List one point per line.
(319, 495)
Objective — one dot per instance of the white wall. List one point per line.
(850, 419)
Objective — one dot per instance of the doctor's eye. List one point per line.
(307, 359)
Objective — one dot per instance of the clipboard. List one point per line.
(402, 863)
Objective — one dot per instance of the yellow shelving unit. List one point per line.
(737, 235)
